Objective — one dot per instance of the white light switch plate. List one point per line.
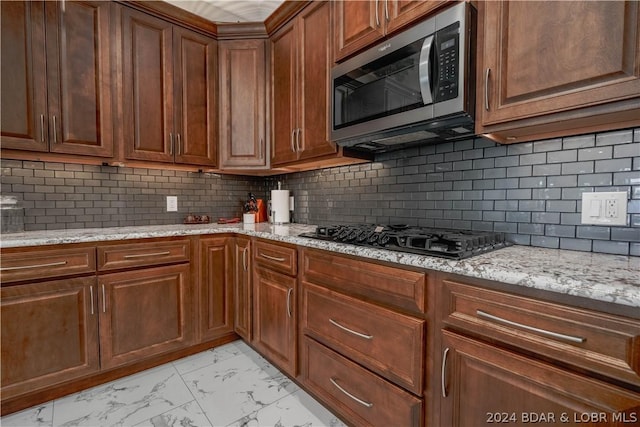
(172, 203)
(607, 208)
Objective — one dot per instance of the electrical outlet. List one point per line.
(172, 203)
(606, 208)
(611, 208)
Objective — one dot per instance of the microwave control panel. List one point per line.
(448, 58)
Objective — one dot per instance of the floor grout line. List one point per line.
(258, 376)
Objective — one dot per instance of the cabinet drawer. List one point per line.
(354, 392)
(142, 254)
(389, 343)
(602, 343)
(388, 285)
(30, 264)
(276, 257)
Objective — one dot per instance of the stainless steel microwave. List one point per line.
(417, 86)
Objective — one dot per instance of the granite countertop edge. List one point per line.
(609, 278)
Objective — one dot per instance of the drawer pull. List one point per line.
(360, 401)
(351, 331)
(272, 258)
(443, 372)
(551, 334)
(147, 255)
(26, 267)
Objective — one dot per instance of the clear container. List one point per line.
(12, 215)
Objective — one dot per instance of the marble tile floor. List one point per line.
(231, 385)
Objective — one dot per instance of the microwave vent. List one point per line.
(406, 138)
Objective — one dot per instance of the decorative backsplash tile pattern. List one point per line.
(58, 196)
(531, 191)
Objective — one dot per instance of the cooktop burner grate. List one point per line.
(446, 243)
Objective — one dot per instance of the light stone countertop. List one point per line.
(608, 278)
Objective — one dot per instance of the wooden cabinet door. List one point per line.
(274, 318)
(403, 12)
(196, 113)
(147, 86)
(482, 384)
(242, 104)
(284, 104)
(56, 77)
(79, 77)
(356, 25)
(144, 313)
(216, 291)
(49, 334)
(242, 287)
(23, 123)
(547, 57)
(314, 92)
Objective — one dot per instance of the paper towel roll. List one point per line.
(280, 206)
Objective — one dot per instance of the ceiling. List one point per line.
(229, 10)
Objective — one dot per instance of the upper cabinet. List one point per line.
(56, 77)
(169, 99)
(242, 104)
(300, 61)
(555, 68)
(358, 24)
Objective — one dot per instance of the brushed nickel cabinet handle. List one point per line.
(41, 127)
(298, 146)
(26, 267)
(104, 300)
(486, 88)
(261, 148)
(178, 144)
(360, 401)
(386, 10)
(272, 258)
(293, 135)
(377, 17)
(147, 255)
(244, 259)
(351, 331)
(569, 338)
(55, 131)
(443, 372)
(289, 292)
(91, 296)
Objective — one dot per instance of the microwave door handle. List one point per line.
(424, 66)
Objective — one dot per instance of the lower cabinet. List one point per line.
(512, 359)
(274, 315)
(361, 396)
(275, 325)
(49, 334)
(144, 313)
(242, 317)
(215, 311)
(361, 352)
(482, 384)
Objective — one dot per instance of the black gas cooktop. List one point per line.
(455, 244)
